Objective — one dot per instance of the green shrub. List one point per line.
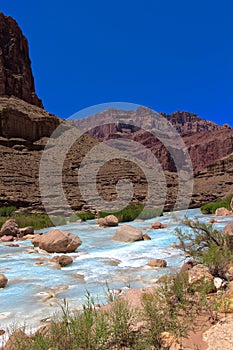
(206, 245)
(7, 211)
(73, 218)
(38, 221)
(86, 216)
(133, 211)
(211, 207)
(170, 308)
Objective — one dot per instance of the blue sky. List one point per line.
(169, 55)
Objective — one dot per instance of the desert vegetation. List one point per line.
(133, 211)
(211, 207)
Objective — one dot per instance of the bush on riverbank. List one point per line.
(38, 221)
(133, 211)
(211, 207)
(206, 245)
(7, 211)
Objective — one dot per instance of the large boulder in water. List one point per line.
(108, 221)
(57, 241)
(127, 233)
(10, 228)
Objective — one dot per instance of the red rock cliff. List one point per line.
(16, 77)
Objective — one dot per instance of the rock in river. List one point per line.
(57, 241)
(127, 233)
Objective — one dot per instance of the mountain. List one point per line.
(25, 128)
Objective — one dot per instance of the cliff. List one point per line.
(16, 77)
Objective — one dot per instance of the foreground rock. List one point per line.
(10, 228)
(17, 340)
(223, 212)
(228, 230)
(127, 233)
(219, 336)
(157, 263)
(200, 274)
(57, 241)
(158, 225)
(227, 272)
(188, 265)
(3, 281)
(108, 221)
(62, 260)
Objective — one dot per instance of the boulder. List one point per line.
(157, 263)
(212, 221)
(26, 231)
(146, 237)
(18, 340)
(200, 274)
(227, 272)
(157, 225)
(229, 289)
(57, 241)
(3, 281)
(7, 238)
(10, 228)
(222, 212)
(62, 260)
(229, 231)
(188, 265)
(127, 233)
(108, 221)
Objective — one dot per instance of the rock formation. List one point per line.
(16, 77)
(25, 128)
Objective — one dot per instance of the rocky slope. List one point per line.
(25, 128)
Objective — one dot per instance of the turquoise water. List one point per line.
(35, 291)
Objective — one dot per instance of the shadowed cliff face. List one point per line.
(16, 77)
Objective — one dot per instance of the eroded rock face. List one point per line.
(127, 233)
(15, 66)
(57, 241)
